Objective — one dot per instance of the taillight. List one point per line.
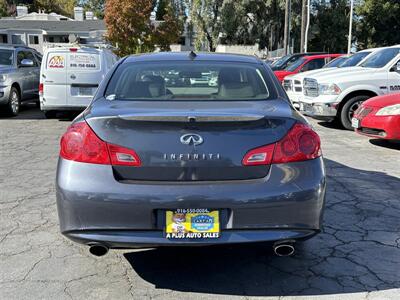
(259, 156)
(301, 143)
(40, 88)
(81, 144)
(121, 156)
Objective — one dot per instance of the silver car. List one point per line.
(155, 162)
(19, 77)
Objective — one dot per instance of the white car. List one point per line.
(69, 77)
(293, 84)
(337, 95)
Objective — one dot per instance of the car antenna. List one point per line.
(192, 55)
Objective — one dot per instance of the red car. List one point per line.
(379, 117)
(306, 63)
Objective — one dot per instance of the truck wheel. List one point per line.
(14, 102)
(349, 108)
(50, 114)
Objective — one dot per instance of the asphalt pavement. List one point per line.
(356, 257)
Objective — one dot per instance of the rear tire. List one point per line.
(50, 114)
(14, 102)
(349, 108)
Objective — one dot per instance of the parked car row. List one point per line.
(66, 80)
(339, 93)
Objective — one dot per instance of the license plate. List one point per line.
(192, 224)
(355, 123)
(85, 91)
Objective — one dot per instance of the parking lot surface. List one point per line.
(356, 257)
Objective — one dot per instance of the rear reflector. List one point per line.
(259, 156)
(300, 143)
(81, 144)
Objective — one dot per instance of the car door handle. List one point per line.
(73, 76)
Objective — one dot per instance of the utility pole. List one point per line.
(303, 25)
(286, 36)
(307, 27)
(350, 26)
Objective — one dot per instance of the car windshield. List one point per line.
(280, 61)
(296, 64)
(354, 59)
(6, 57)
(381, 58)
(336, 62)
(194, 81)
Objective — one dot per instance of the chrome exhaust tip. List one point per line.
(98, 250)
(284, 249)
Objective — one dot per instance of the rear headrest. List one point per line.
(236, 90)
(228, 75)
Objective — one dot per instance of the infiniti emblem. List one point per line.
(191, 139)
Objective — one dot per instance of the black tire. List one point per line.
(14, 102)
(50, 114)
(349, 108)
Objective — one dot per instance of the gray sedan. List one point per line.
(157, 162)
(19, 77)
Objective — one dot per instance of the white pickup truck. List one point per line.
(337, 95)
(293, 84)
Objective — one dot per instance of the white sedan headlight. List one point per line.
(3, 77)
(329, 89)
(389, 110)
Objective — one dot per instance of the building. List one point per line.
(38, 30)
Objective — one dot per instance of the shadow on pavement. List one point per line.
(386, 144)
(358, 251)
(29, 111)
(335, 124)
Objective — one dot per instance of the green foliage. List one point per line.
(205, 15)
(379, 23)
(96, 6)
(129, 27)
(3, 8)
(329, 26)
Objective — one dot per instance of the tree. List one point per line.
(130, 29)
(329, 26)
(96, 6)
(3, 8)
(63, 7)
(205, 15)
(379, 23)
(170, 29)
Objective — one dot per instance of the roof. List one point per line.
(54, 26)
(185, 56)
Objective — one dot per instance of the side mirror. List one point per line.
(26, 63)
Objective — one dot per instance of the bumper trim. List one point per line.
(124, 239)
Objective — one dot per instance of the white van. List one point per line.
(69, 77)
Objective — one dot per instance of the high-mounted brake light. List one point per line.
(81, 144)
(73, 49)
(301, 143)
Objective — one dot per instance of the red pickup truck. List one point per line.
(306, 63)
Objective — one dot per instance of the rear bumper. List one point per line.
(94, 207)
(148, 239)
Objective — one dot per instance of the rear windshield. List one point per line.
(171, 80)
(6, 57)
